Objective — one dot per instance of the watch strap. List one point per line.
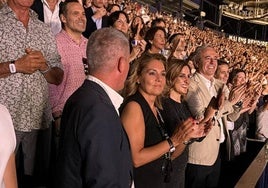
(171, 145)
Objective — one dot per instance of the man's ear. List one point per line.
(122, 63)
(62, 18)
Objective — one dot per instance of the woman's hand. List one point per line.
(236, 94)
(137, 50)
(188, 130)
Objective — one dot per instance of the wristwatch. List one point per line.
(186, 142)
(12, 67)
(171, 145)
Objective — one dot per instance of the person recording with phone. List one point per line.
(120, 21)
(137, 28)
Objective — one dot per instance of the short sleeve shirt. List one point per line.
(26, 95)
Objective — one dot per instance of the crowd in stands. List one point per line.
(186, 96)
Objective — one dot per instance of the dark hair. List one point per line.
(150, 35)
(63, 6)
(134, 28)
(172, 37)
(111, 6)
(222, 62)
(233, 74)
(115, 16)
(265, 98)
(191, 56)
(157, 21)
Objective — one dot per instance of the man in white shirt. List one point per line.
(203, 169)
(48, 12)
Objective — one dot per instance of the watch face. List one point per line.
(172, 149)
(12, 68)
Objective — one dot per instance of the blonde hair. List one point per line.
(131, 85)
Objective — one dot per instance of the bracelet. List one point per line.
(171, 145)
(45, 71)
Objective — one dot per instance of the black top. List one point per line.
(37, 6)
(150, 174)
(174, 114)
(91, 25)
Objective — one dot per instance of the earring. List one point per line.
(138, 82)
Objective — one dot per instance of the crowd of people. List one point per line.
(106, 93)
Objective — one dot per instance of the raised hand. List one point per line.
(100, 12)
(236, 94)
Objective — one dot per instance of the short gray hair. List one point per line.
(104, 46)
(198, 54)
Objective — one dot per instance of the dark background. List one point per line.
(228, 25)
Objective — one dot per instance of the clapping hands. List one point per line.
(190, 129)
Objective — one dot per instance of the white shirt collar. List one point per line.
(208, 83)
(116, 99)
(45, 2)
